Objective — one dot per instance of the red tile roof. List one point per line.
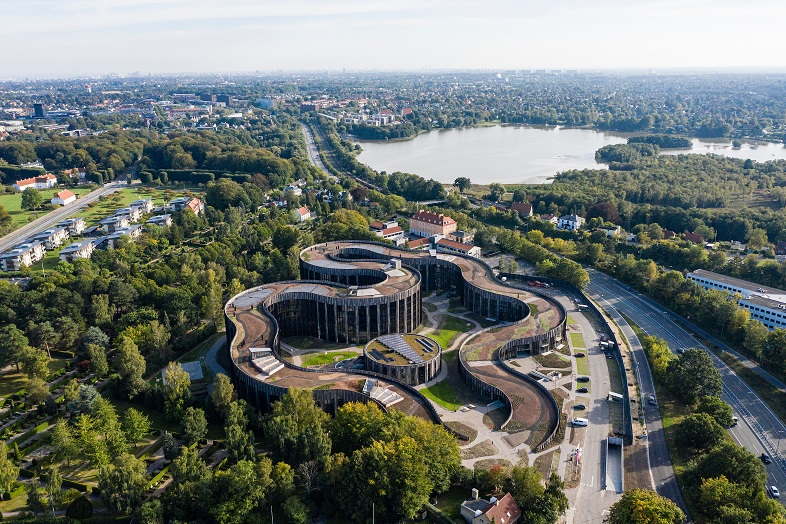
(377, 225)
(504, 511)
(433, 218)
(65, 194)
(693, 237)
(460, 246)
(302, 211)
(392, 230)
(418, 242)
(522, 207)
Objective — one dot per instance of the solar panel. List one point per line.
(400, 346)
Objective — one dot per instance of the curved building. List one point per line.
(355, 292)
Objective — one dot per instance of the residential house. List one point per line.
(130, 232)
(451, 246)
(611, 231)
(295, 190)
(161, 220)
(693, 238)
(77, 250)
(194, 204)
(552, 219)
(302, 214)
(63, 198)
(524, 209)
(115, 223)
(21, 256)
(133, 213)
(145, 204)
(465, 237)
(570, 222)
(52, 238)
(46, 181)
(419, 243)
(78, 173)
(75, 226)
(497, 511)
(394, 234)
(377, 225)
(427, 223)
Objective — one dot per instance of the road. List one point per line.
(313, 151)
(759, 430)
(40, 224)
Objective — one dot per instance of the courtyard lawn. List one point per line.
(443, 394)
(577, 340)
(582, 365)
(12, 202)
(450, 327)
(329, 357)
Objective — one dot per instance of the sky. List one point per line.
(66, 38)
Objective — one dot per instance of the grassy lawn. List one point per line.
(582, 365)
(449, 328)
(330, 357)
(11, 383)
(571, 319)
(577, 339)
(12, 202)
(107, 205)
(450, 502)
(443, 394)
(552, 360)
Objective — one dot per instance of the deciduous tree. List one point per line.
(644, 507)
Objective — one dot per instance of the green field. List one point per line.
(450, 327)
(582, 365)
(12, 202)
(107, 205)
(443, 394)
(577, 340)
(329, 357)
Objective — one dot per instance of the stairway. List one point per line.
(268, 365)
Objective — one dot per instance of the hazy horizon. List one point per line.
(53, 39)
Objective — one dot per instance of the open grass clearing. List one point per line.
(582, 365)
(443, 393)
(490, 463)
(449, 503)
(449, 328)
(543, 463)
(551, 360)
(577, 340)
(482, 449)
(12, 202)
(328, 357)
(107, 205)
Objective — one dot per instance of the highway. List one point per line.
(313, 152)
(61, 213)
(759, 429)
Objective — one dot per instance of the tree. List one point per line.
(43, 334)
(285, 237)
(238, 443)
(37, 391)
(63, 442)
(774, 350)
(53, 486)
(98, 360)
(80, 508)
(297, 428)
(35, 362)
(176, 389)
(641, 506)
(94, 335)
(717, 409)
(692, 376)
(735, 463)
(526, 485)
(102, 312)
(170, 445)
(222, 395)
(194, 425)
(211, 302)
(151, 512)
(8, 470)
(31, 199)
(240, 492)
(189, 467)
(123, 483)
(462, 183)
(658, 354)
(131, 365)
(14, 344)
(495, 192)
(757, 239)
(699, 431)
(5, 219)
(135, 425)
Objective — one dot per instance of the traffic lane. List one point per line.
(661, 468)
(736, 392)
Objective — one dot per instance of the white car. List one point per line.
(774, 492)
(580, 422)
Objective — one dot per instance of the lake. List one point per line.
(517, 154)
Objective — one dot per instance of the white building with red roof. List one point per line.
(302, 214)
(63, 198)
(451, 246)
(46, 181)
(427, 223)
(497, 511)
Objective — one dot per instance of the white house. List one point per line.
(451, 246)
(145, 204)
(63, 198)
(46, 181)
(570, 222)
(52, 238)
(497, 511)
(75, 226)
(133, 213)
(77, 250)
(611, 231)
(302, 214)
(161, 220)
(21, 256)
(115, 223)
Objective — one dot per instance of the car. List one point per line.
(582, 423)
(774, 493)
(582, 390)
(652, 402)
(579, 355)
(579, 407)
(765, 458)
(608, 356)
(583, 379)
(734, 421)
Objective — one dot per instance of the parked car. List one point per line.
(765, 458)
(582, 390)
(774, 493)
(579, 407)
(582, 422)
(583, 379)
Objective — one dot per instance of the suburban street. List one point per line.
(55, 216)
(759, 429)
